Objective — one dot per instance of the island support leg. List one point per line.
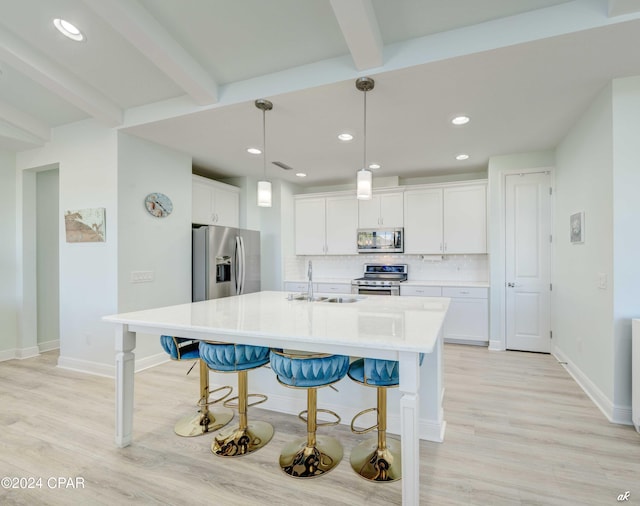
(410, 438)
(125, 365)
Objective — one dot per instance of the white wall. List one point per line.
(85, 153)
(8, 266)
(276, 235)
(146, 243)
(499, 166)
(47, 259)
(626, 228)
(583, 313)
(598, 173)
(99, 167)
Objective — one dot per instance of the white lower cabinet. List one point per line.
(421, 291)
(319, 287)
(341, 288)
(467, 321)
(297, 287)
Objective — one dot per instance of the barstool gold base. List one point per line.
(376, 464)
(299, 460)
(199, 424)
(236, 441)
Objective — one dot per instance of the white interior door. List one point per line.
(528, 252)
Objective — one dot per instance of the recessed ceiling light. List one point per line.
(68, 29)
(374, 166)
(460, 120)
(254, 151)
(301, 174)
(462, 156)
(345, 137)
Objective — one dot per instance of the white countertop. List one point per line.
(268, 318)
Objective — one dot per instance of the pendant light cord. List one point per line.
(364, 155)
(264, 143)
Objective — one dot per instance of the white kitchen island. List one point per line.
(386, 327)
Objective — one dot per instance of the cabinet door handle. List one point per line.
(464, 292)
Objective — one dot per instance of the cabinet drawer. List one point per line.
(334, 287)
(421, 291)
(290, 286)
(465, 292)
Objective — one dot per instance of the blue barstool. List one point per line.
(207, 419)
(376, 459)
(311, 456)
(246, 437)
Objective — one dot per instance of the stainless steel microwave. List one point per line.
(380, 240)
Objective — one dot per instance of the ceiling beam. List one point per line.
(15, 52)
(16, 139)
(24, 121)
(359, 25)
(146, 34)
(620, 7)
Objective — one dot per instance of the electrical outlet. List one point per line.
(142, 276)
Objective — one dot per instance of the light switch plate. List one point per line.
(142, 276)
(602, 281)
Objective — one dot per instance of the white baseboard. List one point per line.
(49, 345)
(496, 345)
(86, 366)
(108, 370)
(613, 413)
(7, 354)
(23, 353)
(152, 361)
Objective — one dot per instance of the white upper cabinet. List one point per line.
(342, 225)
(423, 221)
(465, 219)
(214, 203)
(383, 210)
(326, 225)
(451, 220)
(310, 226)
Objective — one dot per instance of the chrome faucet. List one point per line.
(310, 286)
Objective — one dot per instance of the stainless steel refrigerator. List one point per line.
(226, 261)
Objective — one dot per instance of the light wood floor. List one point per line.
(519, 431)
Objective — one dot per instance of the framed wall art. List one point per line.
(85, 225)
(576, 227)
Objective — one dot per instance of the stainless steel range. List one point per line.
(380, 279)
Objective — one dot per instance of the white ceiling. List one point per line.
(185, 73)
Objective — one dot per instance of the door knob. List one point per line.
(511, 285)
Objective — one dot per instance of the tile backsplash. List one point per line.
(421, 267)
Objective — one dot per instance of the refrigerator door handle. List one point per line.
(237, 265)
(243, 262)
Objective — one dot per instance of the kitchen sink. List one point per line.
(306, 297)
(342, 300)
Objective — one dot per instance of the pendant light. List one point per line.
(364, 179)
(264, 186)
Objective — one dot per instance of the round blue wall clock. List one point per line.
(158, 205)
